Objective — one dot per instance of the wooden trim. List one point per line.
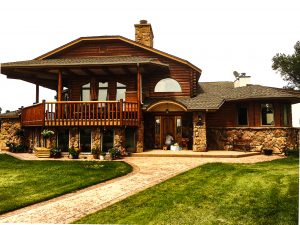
(165, 102)
(59, 86)
(37, 93)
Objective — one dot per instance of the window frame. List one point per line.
(237, 115)
(168, 78)
(261, 118)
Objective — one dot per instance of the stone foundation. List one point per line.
(199, 132)
(8, 132)
(277, 139)
(119, 138)
(74, 138)
(96, 138)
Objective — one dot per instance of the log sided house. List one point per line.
(112, 91)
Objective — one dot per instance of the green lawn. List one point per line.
(262, 193)
(26, 182)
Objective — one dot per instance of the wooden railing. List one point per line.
(91, 113)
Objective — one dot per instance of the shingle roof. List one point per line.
(10, 115)
(213, 94)
(86, 61)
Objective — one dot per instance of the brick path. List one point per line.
(148, 171)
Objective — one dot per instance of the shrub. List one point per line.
(55, 152)
(18, 148)
(291, 152)
(74, 152)
(114, 153)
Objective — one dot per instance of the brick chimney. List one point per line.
(143, 33)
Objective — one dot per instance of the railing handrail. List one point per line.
(34, 105)
(79, 102)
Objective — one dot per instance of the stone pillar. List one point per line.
(74, 138)
(96, 138)
(140, 138)
(199, 132)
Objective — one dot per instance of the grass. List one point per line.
(216, 193)
(26, 182)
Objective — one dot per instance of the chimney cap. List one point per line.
(143, 21)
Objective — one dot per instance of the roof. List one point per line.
(86, 61)
(10, 115)
(212, 95)
(121, 38)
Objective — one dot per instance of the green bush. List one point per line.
(55, 152)
(292, 152)
(74, 152)
(114, 153)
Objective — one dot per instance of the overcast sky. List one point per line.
(217, 36)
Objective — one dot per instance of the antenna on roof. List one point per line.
(236, 74)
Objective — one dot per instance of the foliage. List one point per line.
(24, 183)
(17, 148)
(55, 152)
(20, 133)
(103, 153)
(47, 133)
(96, 151)
(289, 67)
(74, 152)
(115, 153)
(292, 152)
(215, 193)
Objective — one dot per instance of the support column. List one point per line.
(140, 138)
(74, 138)
(96, 138)
(59, 86)
(138, 87)
(199, 132)
(119, 139)
(37, 93)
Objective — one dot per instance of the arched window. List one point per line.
(121, 89)
(167, 85)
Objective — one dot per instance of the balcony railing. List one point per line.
(91, 113)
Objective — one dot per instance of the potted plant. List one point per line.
(47, 133)
(102, 155)
(114, 153)
(95, 152)
(74, 152)
(56, 153)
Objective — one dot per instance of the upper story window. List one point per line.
(102, 91)
(167, 85)
(86, 92)
(121, 89)
(242, 113)
(267, 114)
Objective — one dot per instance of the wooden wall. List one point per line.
(180, 72)
(226, 116)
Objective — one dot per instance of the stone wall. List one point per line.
(8, 132)
(140, 138)
(74, 138)
(199, 132)
(119, 138)
(96, 138)
(260, 138)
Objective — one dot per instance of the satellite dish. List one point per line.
(236, 74)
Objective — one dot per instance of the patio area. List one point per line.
(190, 153)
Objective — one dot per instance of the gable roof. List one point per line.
(212, 95)
(120, 38)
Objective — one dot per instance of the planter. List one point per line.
(101, 157)
(268, 151)
(95, 157)
(42, 152)
(74, 156)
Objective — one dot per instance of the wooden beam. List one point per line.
(88, 71)
(59, 86)
(37, 93)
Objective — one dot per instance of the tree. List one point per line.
(289, 67)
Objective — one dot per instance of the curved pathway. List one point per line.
(148, 171)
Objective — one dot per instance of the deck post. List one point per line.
(121, 112)
(59, 93)
(37, 93)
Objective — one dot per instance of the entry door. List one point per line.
(168, 126)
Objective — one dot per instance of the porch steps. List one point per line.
(190, 153)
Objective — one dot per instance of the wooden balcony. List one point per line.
(91, 113)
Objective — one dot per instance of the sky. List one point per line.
(217, 36)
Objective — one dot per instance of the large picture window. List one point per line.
(85, 140)
(267, 114)
(167, 85)
(242, 113)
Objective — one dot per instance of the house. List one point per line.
(113, 91)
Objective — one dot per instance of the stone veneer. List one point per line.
(140, 138)
(119, 138)
(8, 132)
(276, 138)
(74, 137)
(199, 132)
(96, 138)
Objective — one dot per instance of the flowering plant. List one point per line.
(47, 133)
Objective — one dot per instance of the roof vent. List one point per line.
(241, 80)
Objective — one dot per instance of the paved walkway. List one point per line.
(148, 171)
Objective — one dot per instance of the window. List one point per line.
(102, 92)
(167, 85)
(157, 125)
(178, 125)
(63, 139)
(267, 114)
(85, 140)
(107, 139)
(121, 89)
(242, 113)
(286, 114)
(86, 92)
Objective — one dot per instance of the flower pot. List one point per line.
(95, 156)
(101, 157)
